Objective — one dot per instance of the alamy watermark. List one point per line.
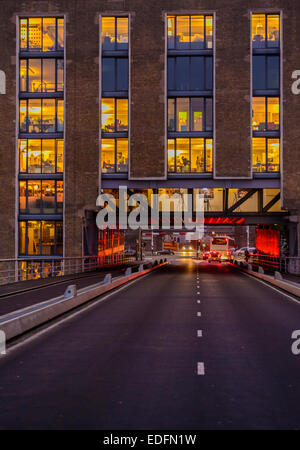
(141, 212)
(2, 343)
(2, 82)
(296, 343)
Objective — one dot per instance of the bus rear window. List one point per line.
(219, 241)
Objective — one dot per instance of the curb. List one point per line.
(286, 286)
(19, 322)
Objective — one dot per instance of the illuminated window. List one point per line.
(213, 199)
(190, 32)
(59, 197)
(33, 238)
(190, 73)
(40, 238)
(182, 116)
(34, 155)
(22, 197)
(35, 34)
(41, 75)
(49, 35)
(48, 156)
(265, 30)
(114, 33)
(48, 238)
(114, 155)
(197, 155)
(41, 116)
(41, 155)
(190, 114)
(190, 155)
(265, 116)
(171, 32)
(48, 197)
(249, 205)
(171, 155)
(41, 197)
(114, 115)
(22, 238)
(41, 35)
(60, 155)
(266, 155)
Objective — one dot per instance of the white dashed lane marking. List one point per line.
(200, 368)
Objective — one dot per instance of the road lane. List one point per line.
(133, 362)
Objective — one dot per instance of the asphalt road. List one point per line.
(145, 359)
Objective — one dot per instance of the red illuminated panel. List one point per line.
(224, 220)
(267, 241)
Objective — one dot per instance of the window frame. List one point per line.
(115, 139)
(41, 223)
(42, 125)
(41, 212)
(116, 99)
(205, 80)
(191, 122)
(27, 156)
(116, 76)
(205, 171)
(266, 98)
(266, 144)
(56, 91)
(266, 41)
(205, 47)
(28, 50)
(115, 49)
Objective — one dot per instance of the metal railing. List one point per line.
(283, 264)
(14, 270)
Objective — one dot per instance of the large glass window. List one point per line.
(40, 238)
(190, 32)
(266, 155)
(41, 155)
(41, 35)
(41, 197)
(265, 116)
(265, 30)
(41, 75)
(41, 116)
(114, 33)
(114, 155)
(266, 72)
(114, 74)
(190, 114)
(190, 155)
(187, 73)
(114, 115)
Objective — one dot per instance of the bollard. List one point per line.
(161, 261)
(107, 279)
(71, 291)
(128, 272)
(155, 263)
(2, 343)
(278, 276)
(141, 268)
(261, 270)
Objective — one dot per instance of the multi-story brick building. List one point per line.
(152, 95)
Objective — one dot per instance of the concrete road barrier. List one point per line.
(21, 321)
(288, 286)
